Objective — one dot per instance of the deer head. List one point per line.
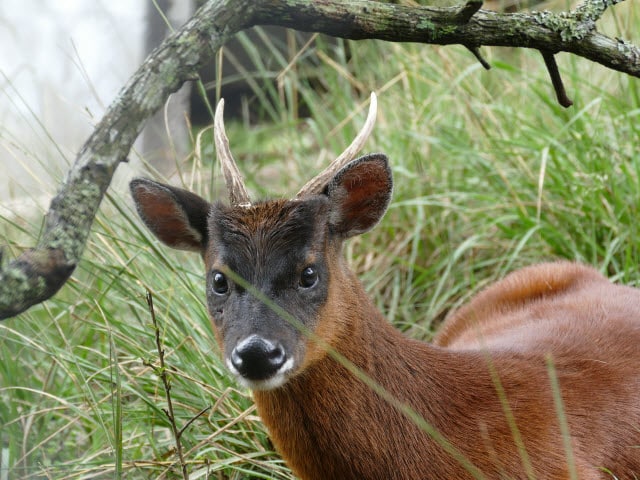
(263, 259)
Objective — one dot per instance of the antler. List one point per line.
(317, 184)
(238, 195)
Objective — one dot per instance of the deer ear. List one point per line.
(359, 195)
(177, 217)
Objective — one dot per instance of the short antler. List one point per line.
(238, 195)
(317, 184)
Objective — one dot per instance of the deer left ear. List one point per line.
(177, 217)
(359, 195)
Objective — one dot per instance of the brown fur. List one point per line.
(327, 424)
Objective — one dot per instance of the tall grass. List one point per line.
(490, 174)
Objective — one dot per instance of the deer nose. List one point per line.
(256, 358)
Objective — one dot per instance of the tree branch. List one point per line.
(39, 273)
(572, 32)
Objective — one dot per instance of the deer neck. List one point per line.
(308, 417)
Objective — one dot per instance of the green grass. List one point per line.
(490, 175)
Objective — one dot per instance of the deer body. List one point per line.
(328, 424)
(484, 385)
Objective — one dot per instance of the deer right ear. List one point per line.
(359, 195)
(176, 216)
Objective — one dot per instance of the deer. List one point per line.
(345, 395)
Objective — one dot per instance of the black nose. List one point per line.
(256, 358)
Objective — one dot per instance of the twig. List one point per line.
(161, 371)
(466, 11)
(194, 418)
(556, 80)
(476, 53)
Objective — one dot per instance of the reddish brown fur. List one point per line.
(327, 424)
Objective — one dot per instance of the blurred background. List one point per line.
(61, 64)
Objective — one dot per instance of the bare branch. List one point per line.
(572, 32)
(161, 371)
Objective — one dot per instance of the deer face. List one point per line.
(269, 266)
(267, 278)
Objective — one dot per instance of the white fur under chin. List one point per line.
(276, 381)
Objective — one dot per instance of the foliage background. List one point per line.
(491, 174)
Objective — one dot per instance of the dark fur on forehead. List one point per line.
(277, 225)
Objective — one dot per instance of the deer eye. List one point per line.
(219, 283)
(308, 277)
